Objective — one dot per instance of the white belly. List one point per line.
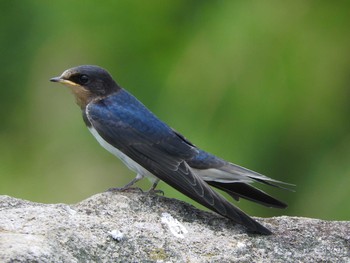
(131, 164)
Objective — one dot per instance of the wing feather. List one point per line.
(144, 138)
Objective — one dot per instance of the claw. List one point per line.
(124, 189)
(153, 190)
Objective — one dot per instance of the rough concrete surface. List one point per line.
(138, 227)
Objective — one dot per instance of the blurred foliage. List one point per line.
(264, 84)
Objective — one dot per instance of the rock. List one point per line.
(137, 227)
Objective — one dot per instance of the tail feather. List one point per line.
(235, 170)
(246, 191)
(276, 184)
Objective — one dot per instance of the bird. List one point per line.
(148, 146)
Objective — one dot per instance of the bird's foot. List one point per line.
(125, 189)
(154, 191)
(128, 187)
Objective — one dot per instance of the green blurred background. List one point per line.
(264, 84)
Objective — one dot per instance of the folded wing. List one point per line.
(140, 135)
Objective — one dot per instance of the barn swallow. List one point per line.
(150, 148)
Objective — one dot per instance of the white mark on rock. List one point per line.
(241, 245)
(175, 227)
(70, 211)
(116, 235)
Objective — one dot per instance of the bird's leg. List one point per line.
(153, 188)
(128, 185)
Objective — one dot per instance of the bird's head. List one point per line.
(87, 83)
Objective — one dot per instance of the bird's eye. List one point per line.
(83, 79)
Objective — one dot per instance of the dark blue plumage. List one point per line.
(148, 146)
(121, 117)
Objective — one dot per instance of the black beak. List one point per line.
(56, 79)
